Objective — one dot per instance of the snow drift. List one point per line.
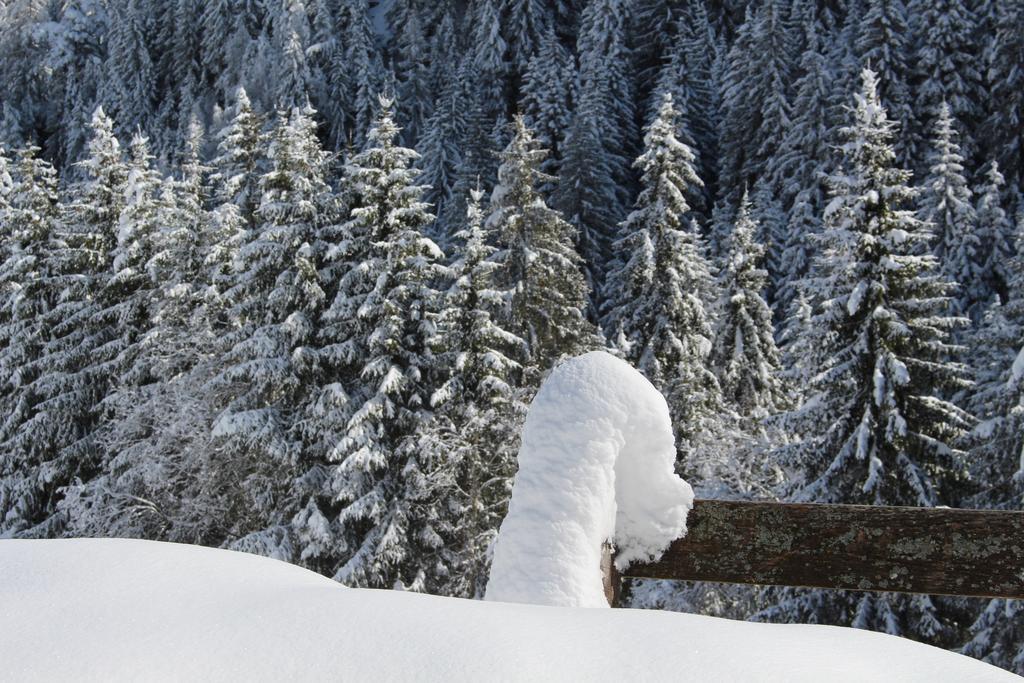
(596, 464)
(122, 610)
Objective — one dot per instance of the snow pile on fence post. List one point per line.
(596, 464)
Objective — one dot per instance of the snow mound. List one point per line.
(596, 464)
(121, 610)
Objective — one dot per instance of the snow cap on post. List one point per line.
(595, 465)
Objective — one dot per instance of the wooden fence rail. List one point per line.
(939, 551)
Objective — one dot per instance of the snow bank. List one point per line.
(120, 610)
(596, 463)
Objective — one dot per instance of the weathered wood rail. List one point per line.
(938, 551)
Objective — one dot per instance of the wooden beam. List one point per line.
(938, 551)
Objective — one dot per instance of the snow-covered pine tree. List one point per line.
(124, 305)
(874, 426)
(363, 69)
(587, 193)
(239, 159)
(524, 23)
(412, 71)
(490, 57)
(997, 452)
(604, 78)
(799, 168)
(595, 181)
(657, 295)
(652, 34)
(439, 149)
(796, 346)
(217, 25)
(129, 79)
(947, 67)
(755, 95)
(376, 521)
(744, 354)
(478, 153)
(686, 74)
(947, 204)
(447, 43)
(153, 479)
(773, 235)
(549, 98)
(292, 75)
(264, 369)
(30, 216)
(28, 292)
(1004, 126)
(540, 268)
(479, 407)
(51, 434)
(78, 60)
(994, 235)
(886, 444)
(883, 44)
(996, 635)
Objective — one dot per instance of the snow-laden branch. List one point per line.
(596, 464)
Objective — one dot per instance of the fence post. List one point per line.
(611, 578)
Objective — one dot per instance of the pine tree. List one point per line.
(605, 83)
(587, 194)
(490, 58)
(946, 67)
(480, 404)
(549, 95)
(85, 24)
(217, 22)
(755, 96)
(540, 269)
(263, 371)
(525, 24)
(238, 162)
(744, 352)
(413, 73)
(153, 479)
(653, 28)
(380, 484)
(687, 76)
(440, 152)
(291, 29)
(595, 180)
(28, 292)
(947, 204)
(1005, 79)
(996, 395)
(657, 295)
(884, 45)
(996, 636)
(875, 428)
(799, 169)
(50, 434)
(478, 152)
(886, 445)
(994, 235)
(130, 80)
(363, 73)
(997, 449)
(774, 232)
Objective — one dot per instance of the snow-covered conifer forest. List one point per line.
(282, 275)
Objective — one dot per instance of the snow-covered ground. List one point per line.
(120, 610)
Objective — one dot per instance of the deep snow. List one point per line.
(123, 610)
(596, 464)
